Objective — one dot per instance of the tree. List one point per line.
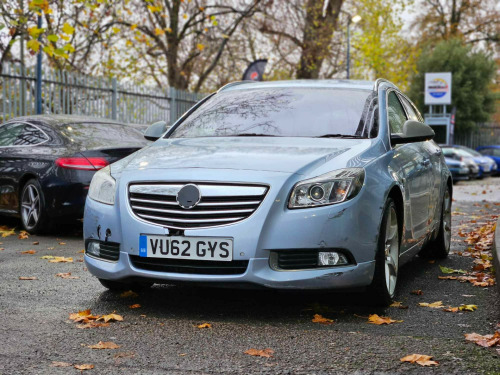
(471, 20)
(303, 32)
(379, 48)
(472, 80)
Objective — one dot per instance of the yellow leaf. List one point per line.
(111, 317)
(434, 305)
(379, 320)
(68, 47)
(468, 308)
(61, 260)
(47, 257)
(267, 353)
(133, 27)
(204, 325)
(168, 29)
(104, 345)
(33, 45)
(421, 359)
(200, 46)
(320, 319)
(28, 278)
(52, 38)
(68, 29)
(154, 9)
(185, 16)
(129, 43)
(65, 37)
(159, 31)
(116, 30)
(35, 31)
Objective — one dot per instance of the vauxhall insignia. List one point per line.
(189, 196)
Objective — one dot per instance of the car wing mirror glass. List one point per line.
(413, 131)
(156, 130)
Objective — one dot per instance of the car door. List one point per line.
(413, 165)
(16, 150)
(433, 152)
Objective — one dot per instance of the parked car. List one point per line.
(47, 163)
(493, 152)
(292, 185)
(451, 153)
(459, 169)
(484, 163)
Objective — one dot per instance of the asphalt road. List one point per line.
(161, 335)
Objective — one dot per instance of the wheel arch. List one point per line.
(397, 196)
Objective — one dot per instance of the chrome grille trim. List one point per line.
(220, 204)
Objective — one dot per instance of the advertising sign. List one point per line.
(437, 88)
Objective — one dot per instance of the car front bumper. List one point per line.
(352, 226)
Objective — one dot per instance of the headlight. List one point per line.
(334, 187)
(103, 186)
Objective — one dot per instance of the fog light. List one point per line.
(331, 258)
(94, 249)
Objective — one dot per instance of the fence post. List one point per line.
(114, 95)
(173, 105)
(39, 74)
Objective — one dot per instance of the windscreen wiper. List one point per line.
(339, 136)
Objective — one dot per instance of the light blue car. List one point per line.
(291, 185)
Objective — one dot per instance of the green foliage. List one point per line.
(472, 79)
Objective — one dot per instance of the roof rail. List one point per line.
(231, 84)
(380, 81)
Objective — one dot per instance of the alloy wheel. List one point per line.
(30, 206)
(391, 247)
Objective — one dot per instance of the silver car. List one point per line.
(292, 185)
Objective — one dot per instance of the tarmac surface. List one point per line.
(161, 336)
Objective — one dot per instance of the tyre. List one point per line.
(32, 208)
(440, 246)
(117, 286)
(383, 287)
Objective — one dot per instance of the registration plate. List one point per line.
(180, 247)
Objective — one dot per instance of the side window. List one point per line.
(395, 113)
(30, 136)
(10, 133)
(409, 109)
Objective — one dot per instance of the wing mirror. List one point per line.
(156, 130)
(413, 131)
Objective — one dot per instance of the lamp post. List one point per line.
(351, 19)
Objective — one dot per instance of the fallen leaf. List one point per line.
(124, 355)
(204, 325)
(104, 345)
(23, 235)
(322, 320)
(111, 317)
(417, 292)
(398, 305)
(66, 275)
(432, 261)
(83, 316)
(28, 278)
(451, 309)
(451, 270)
(448, 277)
(84, 367)
(434, 305)
(37, 243)
(61, 260)
(268, 353)
(468, 308)
(6, 232)
(60, 364)
(62, 243)
(421, 359)
(129, 293)
(47, 257)
(135, 306)
(92, 324)
(379, 320)
(28, 252)
(484, 341)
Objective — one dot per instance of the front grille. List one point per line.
(220, 204)
(200, 267)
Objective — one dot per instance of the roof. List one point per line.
(67, 119)
(306, 83)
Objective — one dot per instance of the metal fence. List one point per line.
(76, 94)
(486, 134)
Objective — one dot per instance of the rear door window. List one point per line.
(30, 136)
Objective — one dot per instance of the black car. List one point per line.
(47, 163)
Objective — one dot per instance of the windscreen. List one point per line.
(282, 112)
(102, 135)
